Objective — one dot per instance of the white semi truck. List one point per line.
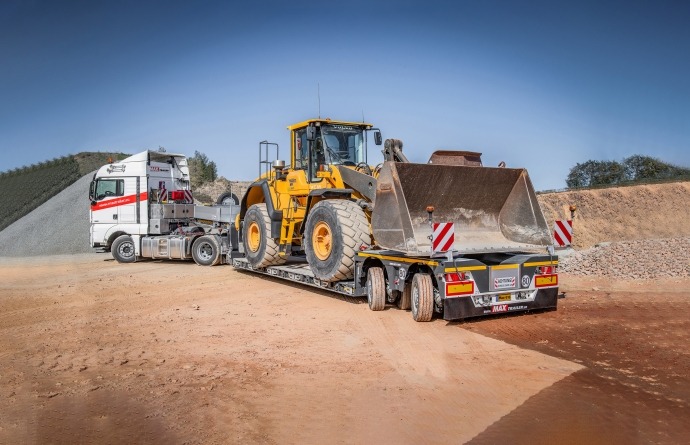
(142, 207)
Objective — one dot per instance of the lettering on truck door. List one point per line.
(116, 201)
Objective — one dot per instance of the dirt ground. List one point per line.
(92, 351)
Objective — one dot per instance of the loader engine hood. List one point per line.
(493, 209)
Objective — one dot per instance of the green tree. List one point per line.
(593, 173)
(201, 169)
(643, 168)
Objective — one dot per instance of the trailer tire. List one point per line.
(123, 249)
(376, 289)
(260, 249)
(336, 230)
(405, 297)
(227, 198)
(422, 300)
(206, 251)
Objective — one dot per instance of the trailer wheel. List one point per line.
(405, 297)
(260, 249)
(376, 289)
(123, 249)
(227, 199)
(206, 251)
(336, 230)
(422, 297)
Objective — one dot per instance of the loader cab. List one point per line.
(318, 144)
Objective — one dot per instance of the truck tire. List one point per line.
(405, 297)
(376, 289)
(227, 199)
(422, 300)
(206, 251)
(336, 230)
(260, 249)
(123, 249)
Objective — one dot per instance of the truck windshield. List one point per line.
(344, 144)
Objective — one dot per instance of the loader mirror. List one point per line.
(377, 137)
(311, 133)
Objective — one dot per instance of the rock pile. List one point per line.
(639, 259)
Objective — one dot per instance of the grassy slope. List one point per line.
(26, 188)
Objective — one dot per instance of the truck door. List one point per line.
(115, 201)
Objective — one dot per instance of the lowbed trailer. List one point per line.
(456, 287)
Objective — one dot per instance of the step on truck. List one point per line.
(450, 237)
(143, 207)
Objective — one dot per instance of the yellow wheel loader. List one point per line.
(332, 202)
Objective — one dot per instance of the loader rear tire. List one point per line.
(123, 249)
(336, 230)
(422, 297)
(376, 289)
(260, 249)
(405, 297)
(206, 251)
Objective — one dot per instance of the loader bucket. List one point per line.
(493, 209)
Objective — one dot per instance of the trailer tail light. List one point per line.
(177, 195)
(546, 270)
(458, 283)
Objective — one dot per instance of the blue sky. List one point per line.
(540, 85)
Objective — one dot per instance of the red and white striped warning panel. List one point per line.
(443, 237)
(563, 233)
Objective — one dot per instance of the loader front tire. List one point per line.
(376, 289)
(123, 249)
(336, 230)
(206, 251)
(260, 249)
(422, 297)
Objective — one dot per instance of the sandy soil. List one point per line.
(165, 352)
(636, 212)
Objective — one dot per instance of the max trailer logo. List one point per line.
(499, 308)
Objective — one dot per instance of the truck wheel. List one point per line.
(227, 199)
(376, 289)
(405, 297)
(206, 251)
(260, 249)
(123, 249)
(336, 230)
(422, 297)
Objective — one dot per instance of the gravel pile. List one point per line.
(640, 259)
(59, 226)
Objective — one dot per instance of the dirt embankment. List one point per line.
(622, 213)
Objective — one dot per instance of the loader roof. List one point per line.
(306, 123)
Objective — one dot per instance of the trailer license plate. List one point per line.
(504, 297)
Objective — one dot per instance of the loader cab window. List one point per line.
(344, 144)
(106, 188)
(301, 150)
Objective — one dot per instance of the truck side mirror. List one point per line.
(377, 137)
(311, 133)
(92, 191)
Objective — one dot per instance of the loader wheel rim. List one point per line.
(254, 236)
(322, 240)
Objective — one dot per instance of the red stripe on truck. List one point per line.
(119, 201)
